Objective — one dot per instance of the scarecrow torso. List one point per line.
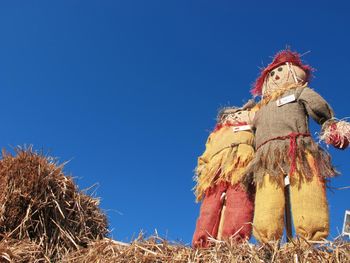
(226, 137)
(225, 159)
(273, 126)
(272, 121)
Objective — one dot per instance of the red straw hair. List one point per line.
(280, 58)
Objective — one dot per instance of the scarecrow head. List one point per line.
(285, 69)
(236, 115)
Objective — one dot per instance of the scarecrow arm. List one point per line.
(316, 106)
(334, 132)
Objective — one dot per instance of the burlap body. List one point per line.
(275, 123)
(284, 146)
(225, 159)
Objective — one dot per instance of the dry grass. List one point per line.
(39, 203)
(23, 251)
(156, 249)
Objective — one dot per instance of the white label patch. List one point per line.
(286, 180)
(285, 100)
(242, 128)
(223, 196)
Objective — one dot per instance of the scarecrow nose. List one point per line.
(277, 77)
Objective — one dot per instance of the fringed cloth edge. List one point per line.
(292, 137)
(229, 165)
(274, 158)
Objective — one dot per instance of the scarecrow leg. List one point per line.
(309, 206)
(238, 215)
(209, 216)
(268, 220)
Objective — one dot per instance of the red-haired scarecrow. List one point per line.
(285, 150)
(227, 203)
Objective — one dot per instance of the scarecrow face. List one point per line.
(283, 76)
(236, 117)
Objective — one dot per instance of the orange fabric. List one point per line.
(209, 216)
(238, 215)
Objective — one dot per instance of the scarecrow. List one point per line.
(227, 203)
(286, 153)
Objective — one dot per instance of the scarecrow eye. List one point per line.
(272, 73)
(280, 69)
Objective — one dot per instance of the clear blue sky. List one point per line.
(128, 90)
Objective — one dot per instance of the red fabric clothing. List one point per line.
(336, 139)
(209, 216)
(237, 217)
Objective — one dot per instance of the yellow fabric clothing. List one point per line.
(268, 222)
(225, 159)
(308, 203)
(309, 206)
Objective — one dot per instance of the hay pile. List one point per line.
(156, 249)
(45, 218)
(39, 203)
(21, 251)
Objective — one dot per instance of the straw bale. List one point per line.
(21, 251)
(106, 250)
(40, 203)
(156, 249)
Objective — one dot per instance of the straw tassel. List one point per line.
(227, 166)
(336, 133)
